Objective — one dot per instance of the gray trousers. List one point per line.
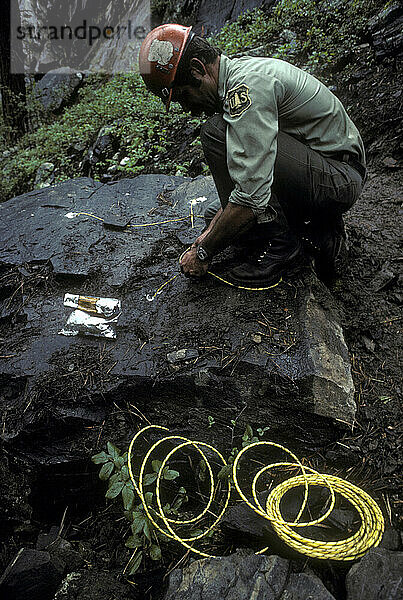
(306, 185)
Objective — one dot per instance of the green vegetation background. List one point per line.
(318, 35)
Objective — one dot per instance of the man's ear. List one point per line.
(197, 68)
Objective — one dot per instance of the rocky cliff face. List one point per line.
(107, 38)
(101, 38)
(206, 15)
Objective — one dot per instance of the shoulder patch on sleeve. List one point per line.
(238, 100)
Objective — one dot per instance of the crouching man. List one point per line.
(286, 158)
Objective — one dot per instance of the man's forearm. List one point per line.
(205, 233)
(215, 219)
(233, 220)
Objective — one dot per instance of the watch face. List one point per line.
(201, 253)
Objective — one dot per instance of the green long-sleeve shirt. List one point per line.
(261, 96)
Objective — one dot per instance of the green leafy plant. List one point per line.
(248, 437)
(145, 538)
(182, 169)
(133, 116)
(318, 35)
(211, 421)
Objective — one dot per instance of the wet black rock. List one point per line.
(326, 377)
(241, 349)
(377, 576)
(63, 239)
(241, 576)
(32, 575)
(57, 88)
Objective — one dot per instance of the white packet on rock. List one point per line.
(93, 315)
(82, 322)
(107, 307)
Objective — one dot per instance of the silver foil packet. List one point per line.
(107, 307)
(81, 322)
(92, 316)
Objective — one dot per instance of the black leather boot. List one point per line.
(275, 249)
(267, 265)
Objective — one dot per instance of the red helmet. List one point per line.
(159, 57)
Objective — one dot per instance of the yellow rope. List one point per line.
(88, 215)
(151, 513)
(351, 548)
(159, 222)
(150, 297)
(368, 535)
(242, 287)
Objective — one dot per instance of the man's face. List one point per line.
(198, 100)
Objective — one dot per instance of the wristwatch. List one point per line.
(202, 254)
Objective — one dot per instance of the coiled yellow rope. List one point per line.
(351, 548)
(368, 535)
(372, 522)
(154, 515)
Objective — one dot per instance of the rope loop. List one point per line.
(353, 547)
(158, 515)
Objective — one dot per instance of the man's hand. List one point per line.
(191, 266)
